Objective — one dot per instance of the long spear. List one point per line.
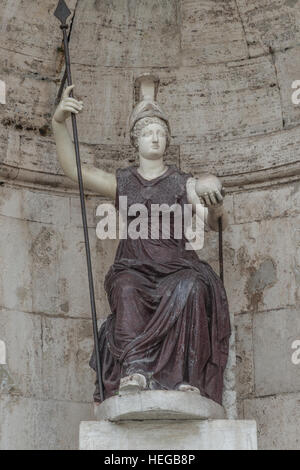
(221, 249)
(62, 12)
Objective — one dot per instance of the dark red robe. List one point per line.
(169, 311)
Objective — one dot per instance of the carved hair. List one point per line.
(142, 123)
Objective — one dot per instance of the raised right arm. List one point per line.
(94, 179)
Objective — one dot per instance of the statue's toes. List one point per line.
(132, 383)
(188, 388)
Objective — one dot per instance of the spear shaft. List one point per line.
(62, 12)
(221, 249)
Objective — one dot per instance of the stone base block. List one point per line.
(164, 420)
(158, 404)
(156, 434)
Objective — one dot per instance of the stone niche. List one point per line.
(226, 69)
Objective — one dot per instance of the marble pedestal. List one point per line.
(165, 420)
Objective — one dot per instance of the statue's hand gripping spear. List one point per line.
(62, 12)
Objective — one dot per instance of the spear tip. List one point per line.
(62, 12)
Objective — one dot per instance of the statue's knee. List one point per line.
(200, 287)
(125, 286)
(196, 285)
(190, 279)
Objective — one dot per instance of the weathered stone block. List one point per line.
(31, 424)
(15, 278)
(126, 34)
(211, 32)
(230, 400)
(223, 101)
(35, 111)
(22, 333)
(273, 336)
(288, 70)
(102, 90)
(260, 268)
(34, 206)
(73, 281)
(229, 375)
(41, 68)
(262, 276)
(67, 347)
(278, 419)
(168, 435)
(244, 354)
(243, 161)
(61, 271)
(207, 103)
(30, 27)
(91, 204)
(270, 25)
(46, 244)
(41, 261)
(37, 155)
(281, 201)
(46, 358)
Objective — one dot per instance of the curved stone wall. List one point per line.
(226, 70)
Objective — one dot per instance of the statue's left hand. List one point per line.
(209, 190)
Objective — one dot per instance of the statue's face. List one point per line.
(152, 141)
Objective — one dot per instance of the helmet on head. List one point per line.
(147, 107)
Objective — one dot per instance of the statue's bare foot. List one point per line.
(188, 388)
(133, 383)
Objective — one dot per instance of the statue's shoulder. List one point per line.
(125, 175)
(124, 172)
(127, 183)
(181, 175)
